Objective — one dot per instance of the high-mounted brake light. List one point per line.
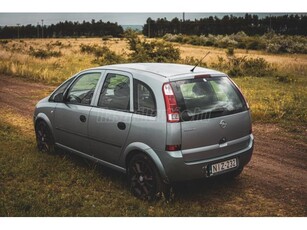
(172, 111)
(202, 76)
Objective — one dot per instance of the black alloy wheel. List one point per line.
(44, 139)
(145, 181)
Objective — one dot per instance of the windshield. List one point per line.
(207, 98)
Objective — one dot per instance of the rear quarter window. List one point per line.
(144, 99)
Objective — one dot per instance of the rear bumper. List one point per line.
(176, 169)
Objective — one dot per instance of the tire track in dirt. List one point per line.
(279, 165)
(20, 95)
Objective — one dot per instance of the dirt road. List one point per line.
(278, 170)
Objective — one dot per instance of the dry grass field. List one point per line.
(271, 99)
(15, 58)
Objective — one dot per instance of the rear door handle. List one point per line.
(121, 125)
(82, 118)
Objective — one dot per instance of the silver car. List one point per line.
(159, 123)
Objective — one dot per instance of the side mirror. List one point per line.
(58, 97)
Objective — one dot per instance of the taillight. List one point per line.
(173, 147)
(172, 111)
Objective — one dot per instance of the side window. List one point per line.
(60, 91)
(81, 92)
(115, 93)
(144, 99)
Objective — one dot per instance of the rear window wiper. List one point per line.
(218, 111)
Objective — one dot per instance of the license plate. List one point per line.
(223, 166)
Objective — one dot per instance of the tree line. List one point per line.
(63, 29)
(229, 24)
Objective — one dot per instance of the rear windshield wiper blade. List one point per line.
(218, 110)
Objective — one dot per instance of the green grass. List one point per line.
(273, 101)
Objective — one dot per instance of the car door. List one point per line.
(110, 120)
(215, 120)
(71, 116)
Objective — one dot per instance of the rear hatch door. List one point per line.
(215, 119)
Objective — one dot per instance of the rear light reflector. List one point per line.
(172, 111)
(173, 147)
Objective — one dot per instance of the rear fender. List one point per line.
(135, 147)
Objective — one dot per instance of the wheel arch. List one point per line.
(137, 147)
(43, 117)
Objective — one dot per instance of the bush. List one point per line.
(230, 51)
(284, 78)
(43, 54)
(175, 38)
(92, 49)
(287, 44)
(57, 43)
(108, 57)
(255, 44)
(4, 42)
(270, 42)
(154, 51)
(103, 55)
(225, 41)
(257, 67)
(193, 61)
(106, 37)
(240, 66)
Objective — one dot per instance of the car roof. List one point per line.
(167, 70)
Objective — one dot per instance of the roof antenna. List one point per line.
(192, 70)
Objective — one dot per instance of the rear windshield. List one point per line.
(207, 98)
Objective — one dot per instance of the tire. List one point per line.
(144, 179)
(44, 138)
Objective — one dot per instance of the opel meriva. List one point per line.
(159, 123)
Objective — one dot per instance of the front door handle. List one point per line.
(82, 118)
